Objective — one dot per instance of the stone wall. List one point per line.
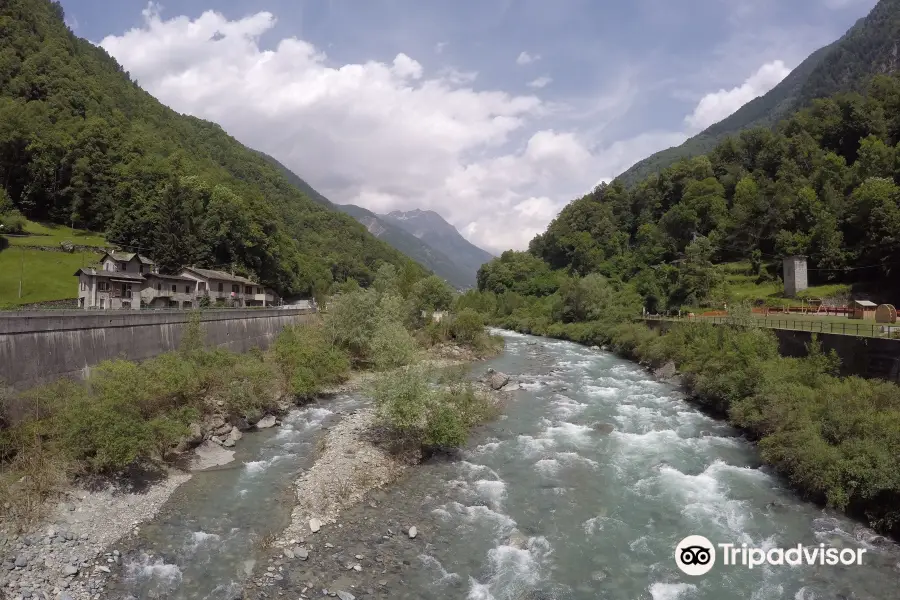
(36, 347)
(862, 356)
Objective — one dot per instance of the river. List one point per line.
(544, 503)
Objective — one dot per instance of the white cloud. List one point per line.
(72, 22)
(715, 106)
(439, 47)
(390, 135)
(385, 135)
(540, 82)
(524, 58)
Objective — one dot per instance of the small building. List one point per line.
(795, 275)
(863, 309)
(102, 288)
(127, 262)
(227, 289)
(168, 291)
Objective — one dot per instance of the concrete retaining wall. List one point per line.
(862, 356)
(36, 347)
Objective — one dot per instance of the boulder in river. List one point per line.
(517, 540)
(496, 379)
(604, 428)
(235, 434)
(266, 422)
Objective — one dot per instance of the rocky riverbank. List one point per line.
(66, 557)
(353, 469)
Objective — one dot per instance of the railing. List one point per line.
(850, 327)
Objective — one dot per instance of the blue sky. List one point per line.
(495, 114)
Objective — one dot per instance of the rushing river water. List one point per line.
(544, 503)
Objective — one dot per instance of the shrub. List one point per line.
(308, 361)
(392, 346)
(427, 415)
(466, 326)
(13, 222)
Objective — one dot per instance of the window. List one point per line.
(236, 289)
(173, 288)
(221, 287)
(187, 289)
(141, 269)
(103, 286)
(248, 289)
(120, 267)
(158, 287)
(83, 285)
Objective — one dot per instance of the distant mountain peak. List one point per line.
(441, 235)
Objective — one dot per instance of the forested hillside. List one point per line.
(823, 184)
(82, 144)
(867, 49)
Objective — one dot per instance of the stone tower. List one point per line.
(794, 275)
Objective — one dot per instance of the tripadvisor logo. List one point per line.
(696, 555)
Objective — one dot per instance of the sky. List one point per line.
(493, 113)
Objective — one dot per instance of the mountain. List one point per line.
(868, 48)
(386, 231)
(413, 247)
(442, 236)
(82, 144)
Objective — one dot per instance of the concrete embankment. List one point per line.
(37, 347)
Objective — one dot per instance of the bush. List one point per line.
(430, 416)
(13, 222)
(466, 326)
(392, 346)
(308, 361)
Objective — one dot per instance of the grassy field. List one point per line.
(50, 234)
(741, 285)
(47, 275)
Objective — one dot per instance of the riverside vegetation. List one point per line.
(823, 184)
(835, 438)
(127, 417)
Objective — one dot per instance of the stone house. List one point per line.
(229, 289)
(169, 291)
(130, 281)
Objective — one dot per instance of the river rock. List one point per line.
(266, 422)
(196, 434)
(21, 561)
(216, 422)
(315, 525)
(413, 532)
(228, 442)
(235, 434)
(496, 379)
(595, 348)
(604, 428)
(301, 553)
(241, 423)
(223, 430)
(667, 371)
(517, 540)
(345, 595)
(288, 553)
(70, 570)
